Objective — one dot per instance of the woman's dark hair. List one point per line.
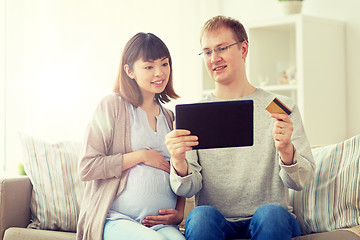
(148, 47)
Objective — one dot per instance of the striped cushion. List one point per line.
(332, 200)
(57, 190)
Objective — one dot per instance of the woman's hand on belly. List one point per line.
(155, 159)
(166, 217)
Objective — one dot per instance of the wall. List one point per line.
(60, 57)
(343, 10)
(2, 85)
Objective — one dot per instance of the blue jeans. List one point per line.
(269, 222)
(131, 230)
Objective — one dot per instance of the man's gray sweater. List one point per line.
(237, 181)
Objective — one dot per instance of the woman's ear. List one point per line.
(128, 71)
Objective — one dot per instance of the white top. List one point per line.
(148, 189)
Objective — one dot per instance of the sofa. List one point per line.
(329, 209)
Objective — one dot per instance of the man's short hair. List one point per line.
(221, 21)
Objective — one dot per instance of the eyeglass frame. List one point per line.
(218, 49)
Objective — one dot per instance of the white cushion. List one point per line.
(332, 201)
(57, 190)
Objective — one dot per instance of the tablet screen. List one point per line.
(218, 124)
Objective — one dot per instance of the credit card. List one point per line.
(276, 106)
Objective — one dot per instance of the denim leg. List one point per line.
(273, 222)
(207, 223)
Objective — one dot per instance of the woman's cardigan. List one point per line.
(107, 139)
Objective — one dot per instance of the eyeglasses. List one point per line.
(208, 53)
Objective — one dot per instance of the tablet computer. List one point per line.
(218, 124)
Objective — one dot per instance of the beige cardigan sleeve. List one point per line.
(97, 160)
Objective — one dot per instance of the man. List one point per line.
(241, 192)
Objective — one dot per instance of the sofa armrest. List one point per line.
(355, 230)
(15, 194)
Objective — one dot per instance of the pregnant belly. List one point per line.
(147, 191)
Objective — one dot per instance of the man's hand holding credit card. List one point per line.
(283, 129)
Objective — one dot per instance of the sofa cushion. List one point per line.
(34, 234)
(57, 190)
(342, 234)
(332, 200)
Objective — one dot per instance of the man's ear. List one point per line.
(129, 72)
(244, 49)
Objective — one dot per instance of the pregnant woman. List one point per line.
(125, 162)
